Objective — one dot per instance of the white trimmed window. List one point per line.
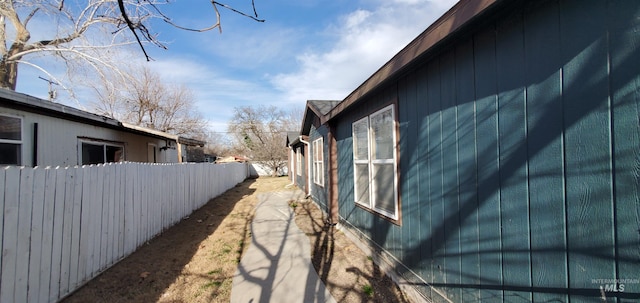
(375, 164)
(10, 140)
(96, 152)
(318, 161)
(299, 161)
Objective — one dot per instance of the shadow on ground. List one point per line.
(349, 274)
(277, 266)
(163, 270)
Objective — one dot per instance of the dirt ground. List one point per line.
(195, 260)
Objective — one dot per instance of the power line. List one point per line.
(52, 92)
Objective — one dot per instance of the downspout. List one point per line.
(308, 166)
(292, 167)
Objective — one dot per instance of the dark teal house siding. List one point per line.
(372, 226)
(301, 171)
(320, 193)
(519, 157)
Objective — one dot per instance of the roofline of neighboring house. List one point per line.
(297, 140)
(164, 135)
(149, 131)
(191, 142)
(36, 105)
(311, 105)
(459, 15)
(25, 102)
(291, 137)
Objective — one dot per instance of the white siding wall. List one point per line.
(58, 140)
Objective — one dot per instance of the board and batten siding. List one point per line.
(301, 171)
(519, 158)
(320, 194)
(58, 140)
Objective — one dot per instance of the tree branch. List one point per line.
(237, 11)
(131, 27)
(26, 20)
(145, 32)
(3, 35)
(166, 19)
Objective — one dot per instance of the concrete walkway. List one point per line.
(277, 265)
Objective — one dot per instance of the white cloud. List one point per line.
(258, 47)
(216, 93)
(364, 41)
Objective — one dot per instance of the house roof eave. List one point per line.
(292, 136)
(319, 108)
(36, 105)
(459, 15)
(149, 131)
(191, 141)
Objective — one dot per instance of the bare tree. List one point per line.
(219, 145)
(261, 131)
(123, 22)
(143, 99)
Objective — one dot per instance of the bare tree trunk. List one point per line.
(8, 75)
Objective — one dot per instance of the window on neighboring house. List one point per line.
(10, 140)
(318, 162)
(374, 161)
(299, 161)
(96, 152)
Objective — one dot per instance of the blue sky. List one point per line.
(306, 49)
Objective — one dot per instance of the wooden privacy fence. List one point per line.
(62, 226)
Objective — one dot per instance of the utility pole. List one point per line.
(52, 92)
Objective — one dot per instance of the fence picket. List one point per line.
(75, 227)
(24, 234)
(130, 227)
(86, 225)
(58, 228)
(36, 243)
(112, 239)
(2, 197)
(93, 228)
(105, 243)
(101, 216)
(10, 235)
(157, 201)
(46, 256)
(142, 197)
(119, 220)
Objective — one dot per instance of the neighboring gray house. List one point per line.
(191, 150)
(36, 132)
(496, 157)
